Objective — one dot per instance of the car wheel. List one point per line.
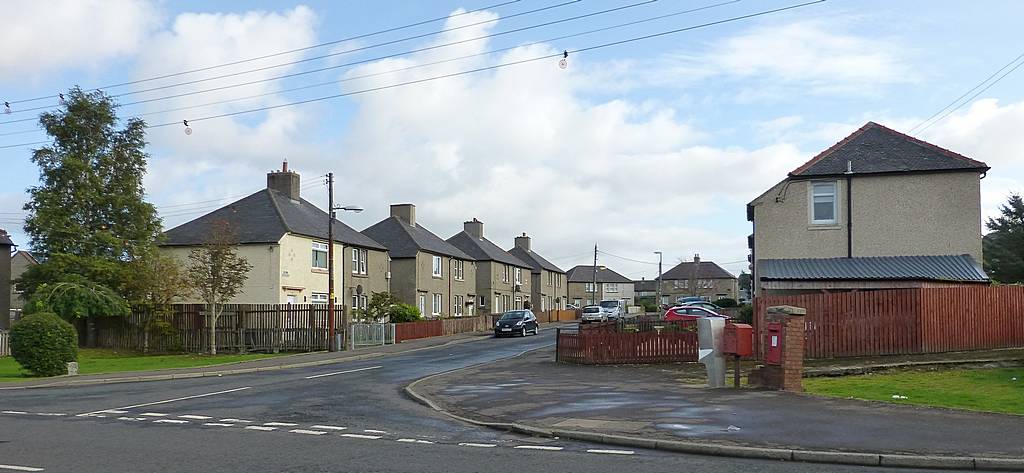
(536, 329)
(522, 332)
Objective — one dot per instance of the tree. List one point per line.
(216, 273)
(1003, 247)
(378, 307)
(744, 281)
(75, 297)
(402, 312)
(158, 279)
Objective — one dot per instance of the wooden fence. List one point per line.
(422, 329)
(452, 326)
(5, 343)
(905, 321)
(604, 344)
(546, 316)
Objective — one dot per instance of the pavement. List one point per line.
(351, 415)
(652, 406)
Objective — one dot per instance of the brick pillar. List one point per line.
(788, 374)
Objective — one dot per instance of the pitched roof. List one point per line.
(645, 285)
(585, 273)
(26, 255)
(705, 270)
(264, 217)
(960, 268)
(537, 262)
(5, 238)
(482, 249)
(404, 241)
(876, 149)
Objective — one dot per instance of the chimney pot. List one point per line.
(404, 212)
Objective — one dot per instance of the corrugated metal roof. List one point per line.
(922, 268)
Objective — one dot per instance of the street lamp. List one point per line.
(332, 342)
(657, 301)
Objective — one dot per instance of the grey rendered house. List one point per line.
(5, 281)
(426, 271)
(502, 280)
(610, 286)
(284, 238)
(21, 261)
(548, 287)
(879, 209)
(698, 278)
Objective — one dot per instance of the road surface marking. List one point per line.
(538, 447)
(611, 452)
(342, 372)
(50, 414)
(190, 416)
(280, 424)
(307, 432)
(19, 468)
(415, 441)
(482, 445)
(329, 427)
(15, 412)
(113, 411)
(361, 436)
(170, 421)
(240, 421)
(174, 400)
(260, 427)
(133, 419)
(371, 431)
(218, 424)
(153, 414)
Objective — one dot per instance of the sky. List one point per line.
(653, 144)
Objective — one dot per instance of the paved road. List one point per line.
(350, 416)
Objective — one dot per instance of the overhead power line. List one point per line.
(625, 258)
(477, 70)
(281, 53)
(972, 97)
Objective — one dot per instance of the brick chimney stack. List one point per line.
(284, 181)
(474, 228)
(404, 212)
(523, 242)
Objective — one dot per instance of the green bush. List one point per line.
(727, 302)
(43, 344)
(401, 312)
(746, 314)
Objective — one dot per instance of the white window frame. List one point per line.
(457, 306)
(437, 270)
(359, 257)
(519, 275)
(318, 298)
(504, 272)
(459, 269)
(811, 194)
(319, 247)
(588, 287)
(422, 303)
(611, 287)
(436, 304)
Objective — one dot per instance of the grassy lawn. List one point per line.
(96, 360)
(991, 390)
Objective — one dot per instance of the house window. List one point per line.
(457, 306)
(423, 304)
(505, 272)
(823, 203)
(589, 287)
(519, 275)
(435, 307)
(360, 301)
(576, 301)
(458, 271)
(519, 302)
(483, 301)
(358, 261)
(437, 267)
(506, 302)
(318, 298)
(319, 255)
(611, 287)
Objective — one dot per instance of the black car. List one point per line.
(516, 322)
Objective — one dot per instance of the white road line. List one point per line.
(280, 424)
(361, 436)
(113, 411)
(19, 468)
(170, 421)
(414, 441)
(218, 424)
(239, 421)
(538, 447)
(260, 427)
(153, 414)
(190, 416)
(342, 372)
(133, 419)
(329, 427)
(307, 432)
(611, 452)
(173, 400)
(51, 414)
(371, 431)
(481, 445)
(15, 412)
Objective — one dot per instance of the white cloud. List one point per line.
(38, 37)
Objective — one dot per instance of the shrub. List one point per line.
(402, 312)
(43, 344)
(746, 314)
(726, 302)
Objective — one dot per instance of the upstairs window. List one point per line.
(437, 267)
(519, 275)
(823, 203)
(319, 255)
(611, 287)
(359, 261)
(458, 269)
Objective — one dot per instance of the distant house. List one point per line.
(610, 286)
(20, 262)
(5, 281)
(698, 278)
(284, 237)
(878, 209)
(646, 289)
(503, 282)
(548, 286)
(426, 271)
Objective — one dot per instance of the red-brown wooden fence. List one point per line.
(422, 329)
(603, 344)
(906, 321)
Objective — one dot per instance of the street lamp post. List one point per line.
(332, 343)
(657, 301)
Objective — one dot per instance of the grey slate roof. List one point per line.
(264, 217)
(537, 262)
(585, 273)
(5, 239)
(481, 249)
(878, 149)
(705, 270)
(951, 268)
(404, 241)
(646, 285)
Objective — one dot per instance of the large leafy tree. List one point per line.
(216, 272)
(90, 200)
(1004, 245)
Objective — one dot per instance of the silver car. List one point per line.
(593, 313)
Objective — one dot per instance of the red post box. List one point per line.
(739, 339)
(773, 344)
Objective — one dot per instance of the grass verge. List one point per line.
(97, 360)
(991, 390)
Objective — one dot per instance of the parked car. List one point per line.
(687, 312)
(686, 299)
(593, 313)
(612, 309)
(704, 304)
(516, 322)
(571, 307)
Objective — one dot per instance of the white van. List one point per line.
(612, 309)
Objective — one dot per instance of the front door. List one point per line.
(290, 298)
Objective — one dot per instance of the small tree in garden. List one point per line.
(216, 273)
(77, 298)
(44, 344)
(401, 312)
(377, 308)
(158, 279)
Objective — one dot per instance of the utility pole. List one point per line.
(657, 301)
(593, 288)
(332, 344)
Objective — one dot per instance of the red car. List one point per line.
(690, 313)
